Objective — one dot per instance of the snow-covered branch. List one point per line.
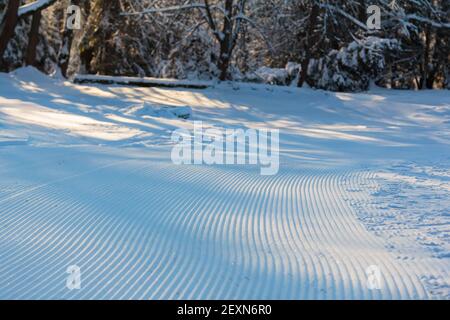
(433, 23)
(174, 9)
(31, 8)
(345, 14)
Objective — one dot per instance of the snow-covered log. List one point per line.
(142, 82)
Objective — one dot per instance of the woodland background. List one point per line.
(323, 44)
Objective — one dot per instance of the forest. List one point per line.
(327, 44)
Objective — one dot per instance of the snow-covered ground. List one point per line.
(86, 179)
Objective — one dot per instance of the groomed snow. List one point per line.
(86, 179)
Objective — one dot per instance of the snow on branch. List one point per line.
(346, 15)
(205, 8)
(174, 8)
(428, 21)
(31, 8)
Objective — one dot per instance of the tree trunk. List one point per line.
(86, 52)
(447, 77)
(33, 39)
(224, 61)
(427, 80)
(362, 11)
(64, 52)
(66, 45)
(7, 26)
(305, 62)
(226, 43)
(389, 75)
(431, 67)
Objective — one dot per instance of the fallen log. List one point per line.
(141, 82)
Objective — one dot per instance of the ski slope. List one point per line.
(363, 181)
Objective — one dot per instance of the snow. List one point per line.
(11, 138)
(272, 75)
(86, 179)
(147, 111)
(275, 76)
(410, 208)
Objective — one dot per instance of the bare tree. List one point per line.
(225, 22)
(33, 39)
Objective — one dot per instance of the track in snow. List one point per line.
(146, 229)
(140, 227)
